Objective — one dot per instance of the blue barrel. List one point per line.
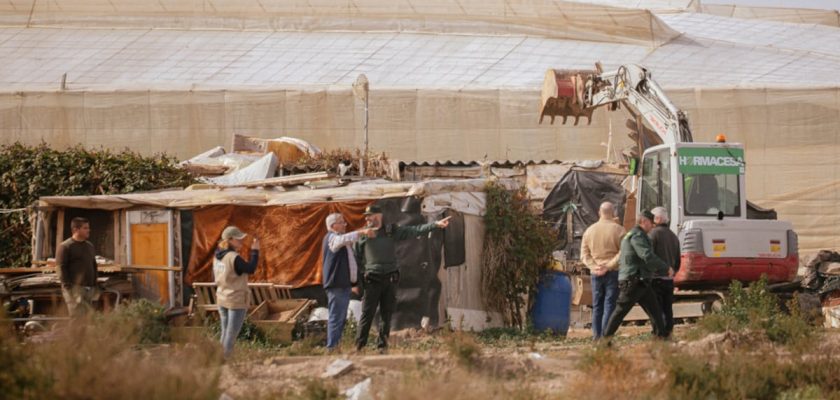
(552, 308)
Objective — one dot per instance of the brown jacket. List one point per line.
(601, 244)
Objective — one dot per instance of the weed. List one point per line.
(463, 348)
(20, 377)
(458, 383)
(612, 373)
(316, 389)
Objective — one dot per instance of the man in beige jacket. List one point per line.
(599, 251)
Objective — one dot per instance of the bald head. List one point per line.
(607, 210)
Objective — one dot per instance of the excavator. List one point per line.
(702, 185)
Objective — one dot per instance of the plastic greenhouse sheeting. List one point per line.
(449, 80)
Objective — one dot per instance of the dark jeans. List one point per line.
(604, 296)
(380, 291)
(634, 291)
(664, 289)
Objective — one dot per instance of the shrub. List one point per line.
(30, 172)
(742, 375)
(757, 309)
(517, 248)
(145, 319)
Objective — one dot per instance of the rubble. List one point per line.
(337, 368)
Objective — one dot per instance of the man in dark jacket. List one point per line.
(340, 274)
(378, 257)
(666, 245)
(637, 266)
(75, 261)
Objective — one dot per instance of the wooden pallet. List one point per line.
(205, 294)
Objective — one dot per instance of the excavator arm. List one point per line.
(578, 93)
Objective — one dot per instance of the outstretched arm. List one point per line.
(406, 232)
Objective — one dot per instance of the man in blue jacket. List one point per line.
(340, 274)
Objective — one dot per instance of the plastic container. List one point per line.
(552, 309)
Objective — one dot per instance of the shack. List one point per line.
(177, 231)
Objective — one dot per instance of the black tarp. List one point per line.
(454, 247)
(582, 193)
(756, 212)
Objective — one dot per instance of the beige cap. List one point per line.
(233, 232)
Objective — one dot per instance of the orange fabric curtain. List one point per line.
(290, 239)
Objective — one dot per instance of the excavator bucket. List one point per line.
(562, 95)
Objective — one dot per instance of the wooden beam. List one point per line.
(290, 180)
(49, 267)
(59, 231)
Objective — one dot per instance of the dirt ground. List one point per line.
(548, 364)
(429, 366)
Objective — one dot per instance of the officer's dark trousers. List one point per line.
(664, 289)
(631, 292)
(380, 291)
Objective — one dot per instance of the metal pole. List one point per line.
(365, 154)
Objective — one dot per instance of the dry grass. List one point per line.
(613, 373)
(103, 358)
(455, 383)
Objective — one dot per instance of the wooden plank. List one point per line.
(681, 310)
(49, 267)
(119, 238)
(290, 180)
(59, 231)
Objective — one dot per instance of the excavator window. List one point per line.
(656, 180)
(706, 195)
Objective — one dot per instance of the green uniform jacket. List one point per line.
(378, 254)
(637, 257)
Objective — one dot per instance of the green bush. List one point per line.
(30, 172)
(757, 309)
(517, 248)
(146, 320)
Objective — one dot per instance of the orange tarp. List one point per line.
(290, 238)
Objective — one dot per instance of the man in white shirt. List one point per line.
(340, 274)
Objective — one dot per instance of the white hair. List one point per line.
(332, 219)
(662, 213)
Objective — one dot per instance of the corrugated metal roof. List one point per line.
(467, 163)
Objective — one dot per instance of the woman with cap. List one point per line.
(231, 272)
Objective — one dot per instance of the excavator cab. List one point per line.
(694, 181)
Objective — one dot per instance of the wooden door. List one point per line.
(150, 246)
